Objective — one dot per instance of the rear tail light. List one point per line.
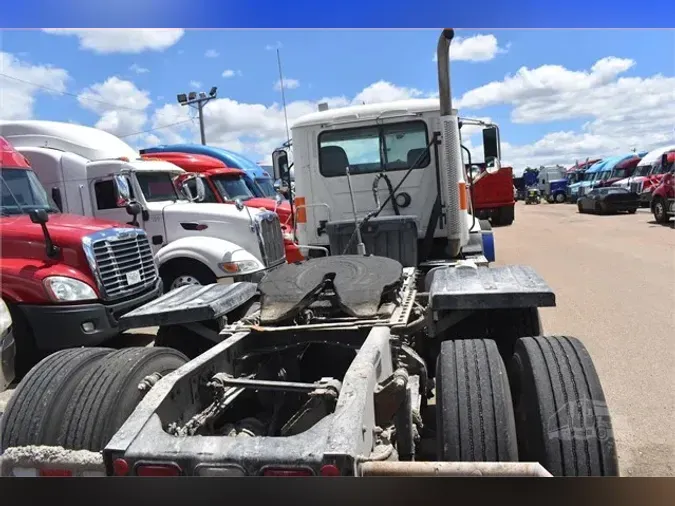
(158, 470)
(287, 471)
(56, 472)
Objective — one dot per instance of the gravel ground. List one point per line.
(614, 277)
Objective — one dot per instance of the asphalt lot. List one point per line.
(614, 278)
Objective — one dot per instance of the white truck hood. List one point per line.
(223, 221)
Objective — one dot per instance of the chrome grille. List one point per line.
(271, 238)
(636, 186)
(122, 262)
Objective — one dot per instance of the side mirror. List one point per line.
(493, 166)
(239, 205)
(280, 163)
(122, 190)
(133, 210)
(39, 216)
(491, 149)
(664, 159)
(199, 188)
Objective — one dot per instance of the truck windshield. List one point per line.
(267, 186)
(22, 192)
(642, 170)
(157, 186)
(232, 188)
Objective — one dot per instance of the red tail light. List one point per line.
(56, 472)
(120, 467)
(158, 470)
(287, 471)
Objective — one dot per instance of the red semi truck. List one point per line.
(492, 195)
(663, 196)
(65, 279)
(227, 185)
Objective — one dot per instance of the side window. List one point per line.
(371, 149)
(105, 195)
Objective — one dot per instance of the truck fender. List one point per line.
(209, 251)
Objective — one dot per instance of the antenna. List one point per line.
(283, 96)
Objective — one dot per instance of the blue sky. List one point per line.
(558, 110)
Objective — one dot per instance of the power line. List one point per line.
(61, 92)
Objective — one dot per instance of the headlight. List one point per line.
(241, 267)
(5, 317)
(62, 289)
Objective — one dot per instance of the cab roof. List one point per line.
(655, 155)
(90, 143)
(10, 158)
(193, 162)
(230, 158)
(370, 111)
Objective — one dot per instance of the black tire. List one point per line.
(175, 269)
(554, 382)
(632, 211)
(108, 394)
(504, 216)
(659, 207)
(475, 421)
(36, 409)
(580, 208)
(182, 339)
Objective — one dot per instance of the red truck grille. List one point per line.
(122, 262)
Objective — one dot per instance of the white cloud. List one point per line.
(17, 97)
(257, 129)
(138, 69)
(479, 48)
(274, 47)
(195, 84)
(120, 104)
(383, 91)
(122, 40)
(228, 73)
(620, 113)
(212, 53)
(289, 84)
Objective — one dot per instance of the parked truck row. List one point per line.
(328, 367)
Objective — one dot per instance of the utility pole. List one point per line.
(198, 101)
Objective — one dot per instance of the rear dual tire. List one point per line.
(483, 417)
(78, 399)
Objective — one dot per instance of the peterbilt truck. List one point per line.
(93, 173)
(65, 279)
(329, 367)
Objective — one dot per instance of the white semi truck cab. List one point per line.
(406, 166)
(93, 173)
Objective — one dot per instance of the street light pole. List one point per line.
(198, 101)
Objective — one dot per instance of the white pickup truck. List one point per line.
(93, 173)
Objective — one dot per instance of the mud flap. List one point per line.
(188, 304)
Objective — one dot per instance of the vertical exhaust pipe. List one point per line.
(443, 55)
(453, 183)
